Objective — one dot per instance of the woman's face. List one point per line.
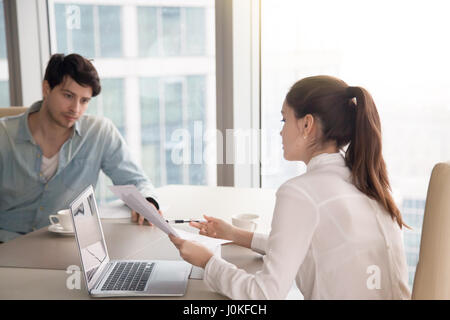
(292, 134)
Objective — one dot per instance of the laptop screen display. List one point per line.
(89, 235)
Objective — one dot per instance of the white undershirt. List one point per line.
(329, 237)
(49, 166)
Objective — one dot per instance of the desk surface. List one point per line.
(24, 283)
(33, 266)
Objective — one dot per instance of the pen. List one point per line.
(181, 221)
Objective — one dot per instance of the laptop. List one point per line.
(109, 278)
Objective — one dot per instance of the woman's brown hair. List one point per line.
(348, 116)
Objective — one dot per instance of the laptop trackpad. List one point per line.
(169, 277)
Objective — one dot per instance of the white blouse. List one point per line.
(336, 243)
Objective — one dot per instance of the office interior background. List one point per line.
(161, 70)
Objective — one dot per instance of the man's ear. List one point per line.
(45, 89)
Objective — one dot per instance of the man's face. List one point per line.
(66, 102)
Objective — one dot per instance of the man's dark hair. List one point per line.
(75, 66)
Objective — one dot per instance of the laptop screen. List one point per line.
(89, 233)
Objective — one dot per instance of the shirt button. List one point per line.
(38, 155)
(41, 208)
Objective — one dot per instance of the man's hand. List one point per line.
(140, 219)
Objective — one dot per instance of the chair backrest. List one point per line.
(11, 111)
(432, 279)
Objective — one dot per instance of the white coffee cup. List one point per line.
(247, 221)
(63, 218)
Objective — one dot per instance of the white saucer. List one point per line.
(56, 228)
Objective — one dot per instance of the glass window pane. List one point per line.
(150, 128)
(394, 60)
(196, 90)
(195, 31)
(113, 102)
(4, 76)
(60, 24)
(171, 26)
(75, 27)
(154, 85)
(151, 161)
(82, 35)
(2, 32)
(173, 97)
(149, 94)
(4, 93)
(110, 31)
(110, 102)
(148, 31)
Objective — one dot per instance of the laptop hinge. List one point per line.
(102, 272)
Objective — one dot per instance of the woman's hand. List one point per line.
(191, 251)
(214, 228)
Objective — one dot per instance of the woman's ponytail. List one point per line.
(364, 154)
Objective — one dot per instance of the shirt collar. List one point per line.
(24, 133)
(325, 159)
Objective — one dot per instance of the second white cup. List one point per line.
(63, 218)
(247, 221)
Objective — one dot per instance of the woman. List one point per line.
(336, 229)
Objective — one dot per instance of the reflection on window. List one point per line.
(157, 69)
(4, 83)
(394, 60)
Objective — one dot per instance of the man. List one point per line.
(52, 152)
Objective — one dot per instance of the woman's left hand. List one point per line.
(191, 251)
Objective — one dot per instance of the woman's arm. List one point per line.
(242, 237)
(293, 225)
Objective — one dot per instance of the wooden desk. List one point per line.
(25, 283)
(33, 266)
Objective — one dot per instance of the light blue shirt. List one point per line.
(27, 199)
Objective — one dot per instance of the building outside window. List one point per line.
(156, 61)
(4, 83)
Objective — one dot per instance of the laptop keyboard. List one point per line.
(128, 276)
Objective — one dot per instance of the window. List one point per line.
(401, 61)
(157, 69)
(4, 83)
(172, 31)
(89, 30)
(169, 104)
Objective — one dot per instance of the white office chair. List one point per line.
(432, 279)
(11, 111)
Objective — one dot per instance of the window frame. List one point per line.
(237, 66)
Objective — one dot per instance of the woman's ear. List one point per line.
(308, 123)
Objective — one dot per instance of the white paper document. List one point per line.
(136, 201)
(210, 243)
(114, 210)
